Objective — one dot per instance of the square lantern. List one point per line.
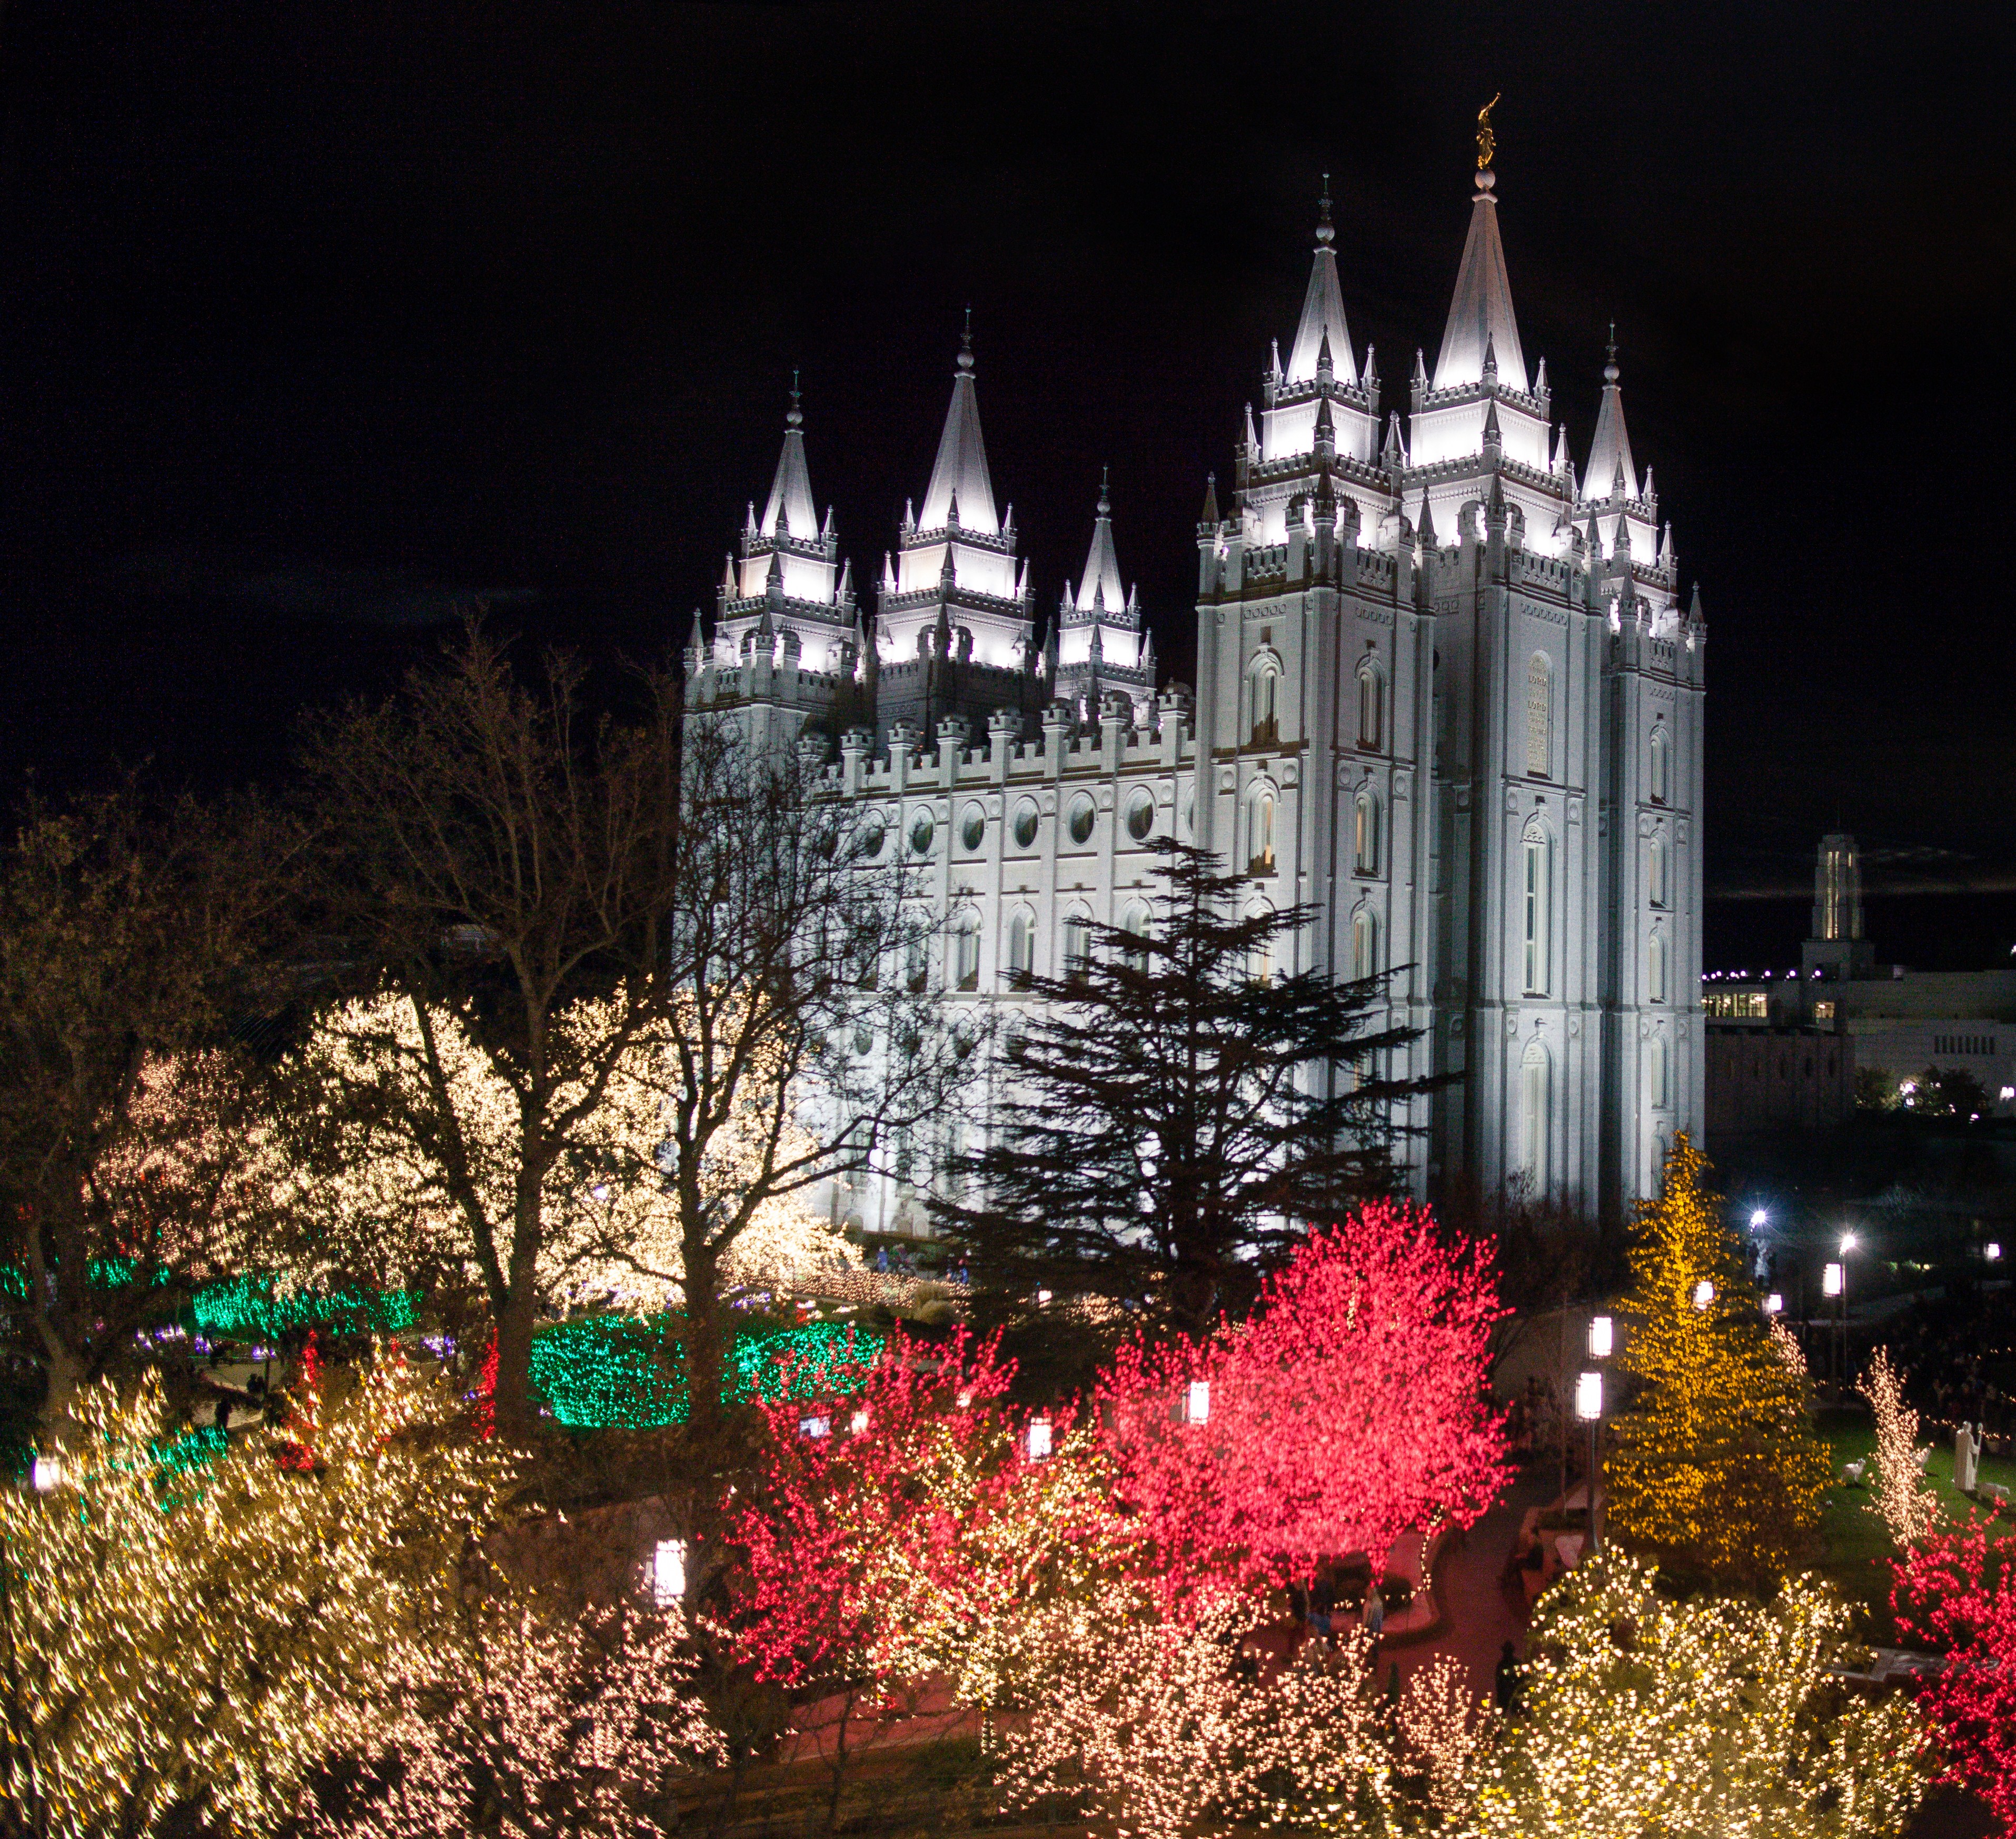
(816, 1428)
(858, 1424)
(1774, 1304)
(1704, 1293)
(1039, 1439)
(1992, 1251)
(1589, 1397)
(1830, 1280)
(47, 1474)
(1602, 1337)
(669, 1572)
(1196, 1402)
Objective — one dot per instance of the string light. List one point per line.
(1904, 1501)
(1716, 1456)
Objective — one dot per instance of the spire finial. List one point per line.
(1325, 234)
(966, 342)
(1487, 142)
(1105, 504)
(1609, 371)
(794, 418)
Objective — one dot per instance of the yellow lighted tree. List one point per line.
(1643, 1713)
(181, 1642)
(1716, 1463)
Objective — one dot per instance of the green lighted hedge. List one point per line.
(241, 1308)
(622, 1371)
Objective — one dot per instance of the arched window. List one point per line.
(1265, 679)
(1536, 902)
(1077, 943)
(1021, 949)
(1655, 966)
(1535, 1114)
(1135, 924)
(1661, 776)
(1371, 707)
(1365, 831)
(966, 951)
(1659, 1075)
(1656, 869)
(917, 965)
(1260, 830)
(1539, 715)
(1260, 958)
(1364, 942)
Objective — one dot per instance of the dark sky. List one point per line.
(314, 317)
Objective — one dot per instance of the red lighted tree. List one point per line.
(1352, 1406)
(905, 1529)
(1956, 1591)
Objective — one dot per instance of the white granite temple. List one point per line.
(1448, 694)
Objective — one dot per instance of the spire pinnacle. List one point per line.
(966, 342)
(1105, 501)
(794, 418)
(959, 476)
(1481, 310)
(1325, 234)
(1210, 499)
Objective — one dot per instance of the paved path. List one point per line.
(1482, 1616)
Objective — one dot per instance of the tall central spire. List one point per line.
(1323, 310)
(960, 477)
(1480, 317)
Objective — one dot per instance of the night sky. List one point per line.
(315, 320)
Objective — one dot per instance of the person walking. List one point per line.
(1375, 1616)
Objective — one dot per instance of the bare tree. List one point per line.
(125, 923)
(517, 865)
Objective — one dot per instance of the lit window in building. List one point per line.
(1261, 856)
(1662, 766)
(1265, 681)
(1365, 832)
(1364, 942)
(1824, 1012)
(1370, 701)
(1021, 950)
(1537, 903)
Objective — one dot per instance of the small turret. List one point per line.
(1209, 519)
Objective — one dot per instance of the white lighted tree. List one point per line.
(1904, 1501)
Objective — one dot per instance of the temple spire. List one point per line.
(1100, 587)
(1322, 310)
(790, 503)
(960, 473)
(1481, 313)
(1610, 454)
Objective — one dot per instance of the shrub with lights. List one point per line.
(1956, 1591)
(1641, 1713)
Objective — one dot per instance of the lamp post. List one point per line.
(1589, 1407)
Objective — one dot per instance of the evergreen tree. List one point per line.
(1178, 1107)
(1717, 1463)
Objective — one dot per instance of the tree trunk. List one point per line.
(705, 1359)
(64, 1373)
(514, 1354)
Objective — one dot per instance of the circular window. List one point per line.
(921, 833)
(1025, 824)
(1140, 814)
(864, 1039)
(873, 833)
(973, 829)
(1081, 815)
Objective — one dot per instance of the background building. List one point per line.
(1784, 1046)
(1447, 695)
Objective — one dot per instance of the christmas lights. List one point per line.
(1351, 1406)
(1716, 1458)
(184, 1656)
(1906, 1505)
(1956, 1590)
(1641, 1714)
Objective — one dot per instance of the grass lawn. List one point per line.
(1857, 1542)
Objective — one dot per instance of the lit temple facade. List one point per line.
(1448, 697)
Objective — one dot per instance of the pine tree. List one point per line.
(1717, 1463)
(1180, 1106)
